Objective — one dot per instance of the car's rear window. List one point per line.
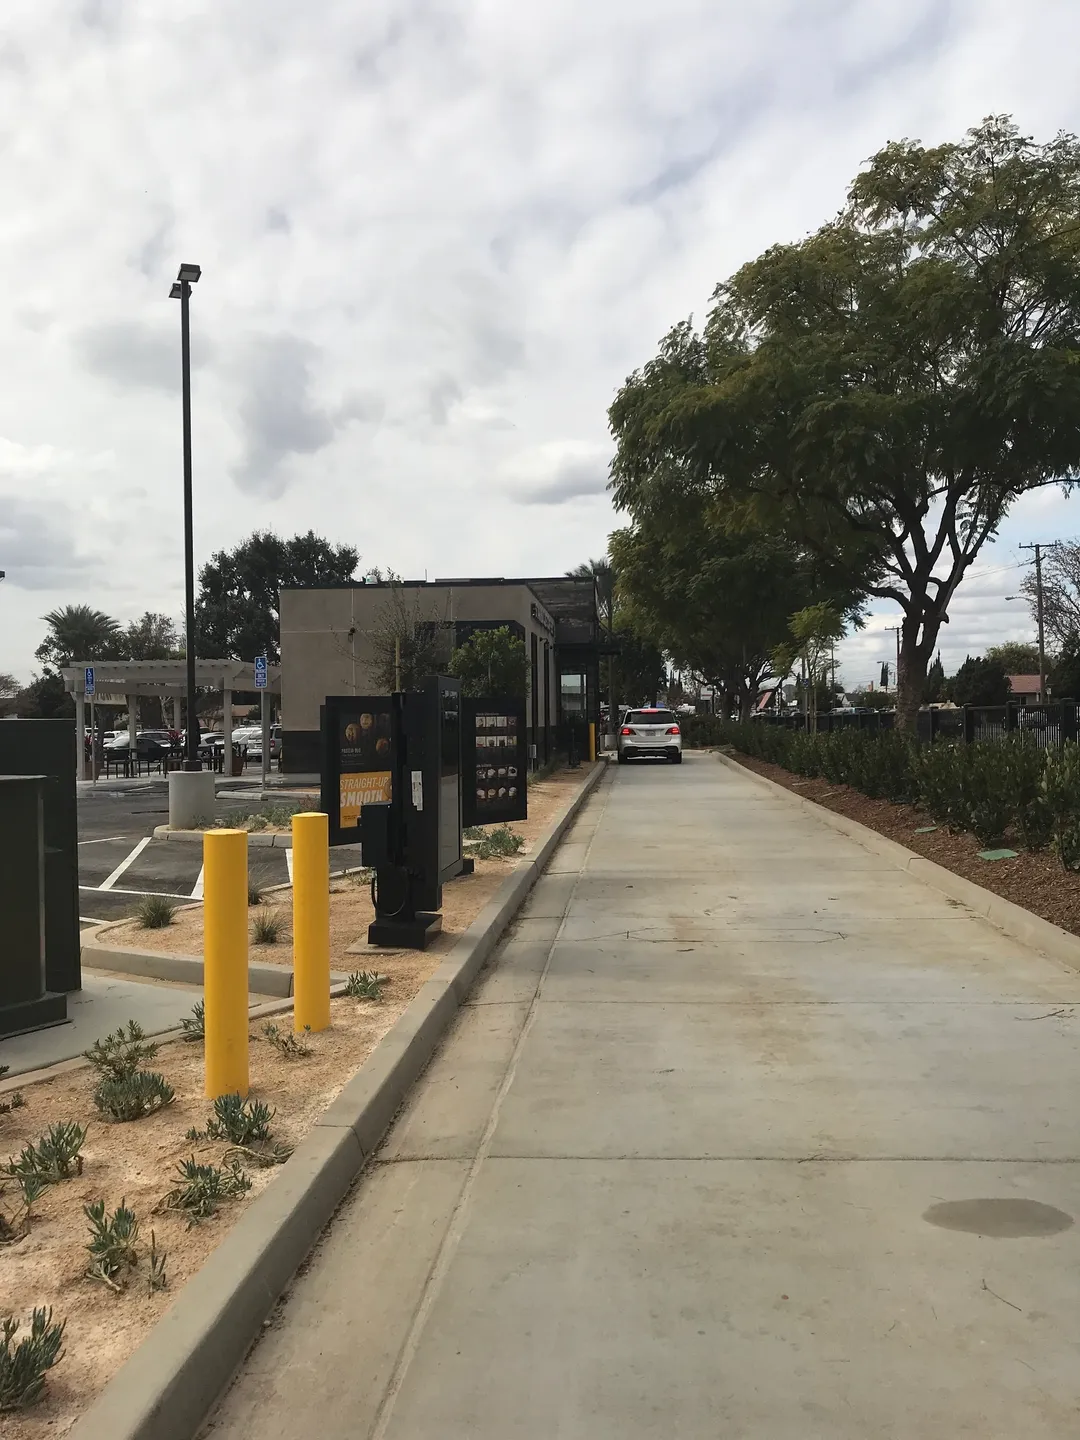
(651, 717)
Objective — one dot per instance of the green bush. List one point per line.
(133, 1096)
(1023, 763)
(112, 1243)
(1061, 794)
(938, 769)
(203, 1187)
(23, 1367)
(122, 1053)
(55, 1157)
(155, 912)
(239, 1121)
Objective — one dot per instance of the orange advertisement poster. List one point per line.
(365, 787)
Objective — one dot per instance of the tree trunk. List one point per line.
(916, 652)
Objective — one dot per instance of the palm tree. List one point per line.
(78, 632)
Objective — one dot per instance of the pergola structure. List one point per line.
(123, 682)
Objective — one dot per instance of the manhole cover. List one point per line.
(1000, 1219)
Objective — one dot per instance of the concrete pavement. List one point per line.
(719, 1148)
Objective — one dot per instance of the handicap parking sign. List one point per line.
(260, 672)
(88, 679)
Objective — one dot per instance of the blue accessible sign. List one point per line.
(88, 680)
(260, 672)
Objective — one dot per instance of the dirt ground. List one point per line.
(136, 1162)
(1034, 880)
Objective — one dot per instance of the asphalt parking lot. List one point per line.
(120, 861)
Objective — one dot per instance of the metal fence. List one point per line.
(1048, 725)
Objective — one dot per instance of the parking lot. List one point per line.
(120, 861)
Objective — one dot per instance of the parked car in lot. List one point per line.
(650, 732)
(149, 745)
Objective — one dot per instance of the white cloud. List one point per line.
(435, 236)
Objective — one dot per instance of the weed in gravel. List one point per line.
(55, 1157)
(287, 1042)
(155, 912)
(194, 1025)
(112, 1243)
(498, 843)
(122, 1053)
(133, 1096)
(267, 928)
(365, 985)
(156, 1279)
(241, 1122)
(23, 1367)
(202, 1188)
(255, 893)
(15, 1216)
(16, 1102)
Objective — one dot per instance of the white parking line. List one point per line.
(168, 894)
(105, 839)
(89, 920)
(197, 892)
(288, 863)
(108, 883)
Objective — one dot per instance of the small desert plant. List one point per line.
(15, 1103)
(203, 1187)
(155, 912)
(156, 1279)
(133, 1096)
(112, 1243)
(242, 1122)
(122, 1053)
(472, 832)
(286, 1042)
(15, 1218)
(267, 928)
(23, 1366)
(499, 842)
(365, 985)
(55, 1156)
(194, 1025)
(255, 893)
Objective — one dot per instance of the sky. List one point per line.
(436, 236)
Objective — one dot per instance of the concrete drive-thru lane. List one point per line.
(742, 1133)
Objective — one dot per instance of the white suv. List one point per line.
(650, 732)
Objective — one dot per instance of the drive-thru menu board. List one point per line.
(358, 760)
(494, 760)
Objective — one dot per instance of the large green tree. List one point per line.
(237, 608)
(151, 637)
(980, 681)
(79, 632)
(491, 662)
(885, 389)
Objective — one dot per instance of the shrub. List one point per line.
(23, 1367)
(16, 1102)
(286, 1042)
(194, 1025)
(1061, 794)
(133, 1096)
(55, 1157)
(938, 770)
(203, 1187)
(239, 1121)
(365, 985)
(499, 842)
(255, 893)
(122, 1053)
(1022, 764)
(267, 929)
(155, 912)
(987, 798)
(112, 1242)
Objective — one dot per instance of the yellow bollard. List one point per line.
(592, 741)
(225, 961)
(311, 920)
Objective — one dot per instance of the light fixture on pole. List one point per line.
(181, 290)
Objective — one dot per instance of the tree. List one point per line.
(45, 699)
(885, 389)
(78, 632)
(641, 673)
(870, 700)
(936, 685)
(1065, 672)
(491, 662)
(1061, 592)
(812, 633)
(409, 638)
(980, 681)
(237, 608)
(154, 637)
(1017, 657)
(9, 693)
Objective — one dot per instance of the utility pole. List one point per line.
(1039, 614)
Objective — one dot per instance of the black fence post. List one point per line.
(1068, 721)
(969, 724)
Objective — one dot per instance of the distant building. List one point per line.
(1025, 689)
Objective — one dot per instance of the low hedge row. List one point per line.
(992, 789)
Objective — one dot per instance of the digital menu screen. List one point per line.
(494, 761)
(358, 760)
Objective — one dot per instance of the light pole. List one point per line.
(181, 290)
(1039, 611)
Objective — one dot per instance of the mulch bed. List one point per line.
(1035, 881)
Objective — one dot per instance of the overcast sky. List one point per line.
(436, 235)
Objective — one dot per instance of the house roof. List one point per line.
(1025, 684)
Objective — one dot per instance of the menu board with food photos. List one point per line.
(494, 761)
(358, 760)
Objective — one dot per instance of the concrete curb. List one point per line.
(1014, 920)
(166, 1389)
(195, 837)
(162, 965)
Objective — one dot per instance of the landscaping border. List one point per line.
(195, 837)
(1014, 920)
(166, 1389)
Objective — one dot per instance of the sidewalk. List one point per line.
(743, 1134)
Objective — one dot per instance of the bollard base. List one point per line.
(38, 1014)
(411, 934)
(191, 799)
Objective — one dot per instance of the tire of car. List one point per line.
(675, 757)
(622, 758)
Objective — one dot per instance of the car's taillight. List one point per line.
(673, 730)
(626, 730)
